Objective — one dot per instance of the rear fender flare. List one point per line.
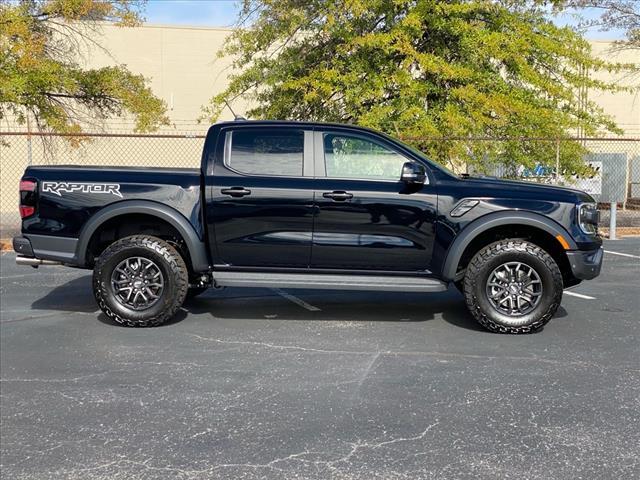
(496, 219)
(195, 245)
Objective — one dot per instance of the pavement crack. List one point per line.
(431, 353)
(356, 447)
(59, 380)
(277, 347)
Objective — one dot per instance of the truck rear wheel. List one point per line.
(513, 286)
(140, 281)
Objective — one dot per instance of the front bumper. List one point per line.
(586, 264)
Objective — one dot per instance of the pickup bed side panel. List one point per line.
(70, 197)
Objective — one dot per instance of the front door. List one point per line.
(260, 198)
(366, 218)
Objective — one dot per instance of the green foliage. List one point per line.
(40, 75)
(423, 69)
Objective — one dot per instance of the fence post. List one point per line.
(557, 160)
(29, 152)
(612, 220)
(627, 190)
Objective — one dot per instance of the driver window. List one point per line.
(348, 156)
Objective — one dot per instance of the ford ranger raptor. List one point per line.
(309, 205)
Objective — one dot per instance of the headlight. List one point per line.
(588, 216)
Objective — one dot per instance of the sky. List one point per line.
(222, 13)
(202, 13)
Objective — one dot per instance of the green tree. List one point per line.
(40, 72)
(420, 70)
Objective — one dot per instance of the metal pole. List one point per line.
(612, 220)
(627, 185)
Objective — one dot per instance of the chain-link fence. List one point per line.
(612, 176)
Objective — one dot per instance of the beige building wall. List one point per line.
(183, 69)
(624, 107)
(180, 62)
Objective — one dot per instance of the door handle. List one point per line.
(338, 196)
(235, 191)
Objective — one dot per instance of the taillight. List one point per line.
(28, 186)
(28, 190)
(26, 211)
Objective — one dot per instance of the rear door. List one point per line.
(260, 202)
(367, 219)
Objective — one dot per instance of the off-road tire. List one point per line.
(168, 260)
(495, 254)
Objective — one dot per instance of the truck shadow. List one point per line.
(73, 296)
(333, 306)
(261, 304)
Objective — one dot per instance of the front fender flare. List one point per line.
(195, 245)
(496, 219)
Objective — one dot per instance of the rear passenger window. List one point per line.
(265, 152)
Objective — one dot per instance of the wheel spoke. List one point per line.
(137, 283)
(514, 288)
(525, 299)
(122, 272)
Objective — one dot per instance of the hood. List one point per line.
(553, 192)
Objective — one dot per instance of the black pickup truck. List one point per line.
(309, 205)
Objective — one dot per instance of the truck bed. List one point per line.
(69, 195)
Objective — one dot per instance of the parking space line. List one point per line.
(579, 295)
(622, 254)
(296, 300)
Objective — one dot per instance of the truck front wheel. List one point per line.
(513, 286)
(140, 281)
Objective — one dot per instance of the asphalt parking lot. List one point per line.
(300, 384)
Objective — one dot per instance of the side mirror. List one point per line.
(413, 173)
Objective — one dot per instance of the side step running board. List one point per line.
(328, 282)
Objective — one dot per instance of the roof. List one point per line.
(295, 122)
